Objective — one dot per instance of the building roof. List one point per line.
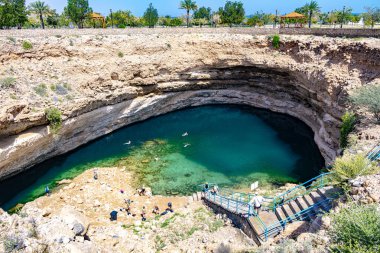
(293, 15)
(96, 15)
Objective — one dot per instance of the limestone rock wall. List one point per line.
(104, 82)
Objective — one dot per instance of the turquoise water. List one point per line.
(229, 145)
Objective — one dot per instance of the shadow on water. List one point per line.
(226, 144)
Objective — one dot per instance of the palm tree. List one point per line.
(188, 5)
(41, 9)
(312, 8)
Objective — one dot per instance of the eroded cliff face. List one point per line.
(102, 83)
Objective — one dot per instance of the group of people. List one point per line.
(214, 190)
(128, 209)
(256, 200)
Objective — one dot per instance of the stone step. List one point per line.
(308, 200)
(303, 205)
(296, 209)
(318, 198)
(287, 211)
(280, 216)
(329, 192)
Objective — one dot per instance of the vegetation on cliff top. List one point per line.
(276, 41)
(368, 96)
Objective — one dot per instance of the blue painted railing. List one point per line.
(240, 203)
(301, 189)
(300, 215)
(374, 154)
(239, 207)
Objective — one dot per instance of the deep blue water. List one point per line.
(229, 145)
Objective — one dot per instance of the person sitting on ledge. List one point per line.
(113, 215)
(168, 209)
(141, 191)
(156, 210)
(214, 190)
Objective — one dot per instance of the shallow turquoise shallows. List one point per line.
(229, 145)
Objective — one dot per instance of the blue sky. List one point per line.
(171, 7)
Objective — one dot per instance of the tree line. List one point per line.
(15, 14)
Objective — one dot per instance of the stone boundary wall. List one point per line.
(133, 31)
(239, 221)
(330, 32)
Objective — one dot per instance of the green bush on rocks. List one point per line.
(368, 96)
(8, 82)
(351, 166)
(348, 125)
(26, 45)
(356, 229)
(276, 41)
(54, 117)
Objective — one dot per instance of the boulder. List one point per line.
(64, 181)
(321, 222)
(78, 229)
(72, 217)
(55, 231)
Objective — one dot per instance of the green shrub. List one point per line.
(26, 45)
(54, 117)
(356, 229)
(350, 166)
(276, 41)
(12, 39)
(61, 89)
(41, 89)
(71, 43)
(368, 96)
(122, 26)
(120, 54)
(8, 82)
(67, 86)
(348, 125)
(13, 243)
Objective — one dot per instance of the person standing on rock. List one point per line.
(128, 208)
(143, 214)
(95, 174)
(47, 191)
(256, 202)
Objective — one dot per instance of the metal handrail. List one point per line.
(374, 154)
(299, 214)
(243, 199)
(309, 185)
(249, 211)
(241, 196)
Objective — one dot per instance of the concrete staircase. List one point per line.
(271, 222)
